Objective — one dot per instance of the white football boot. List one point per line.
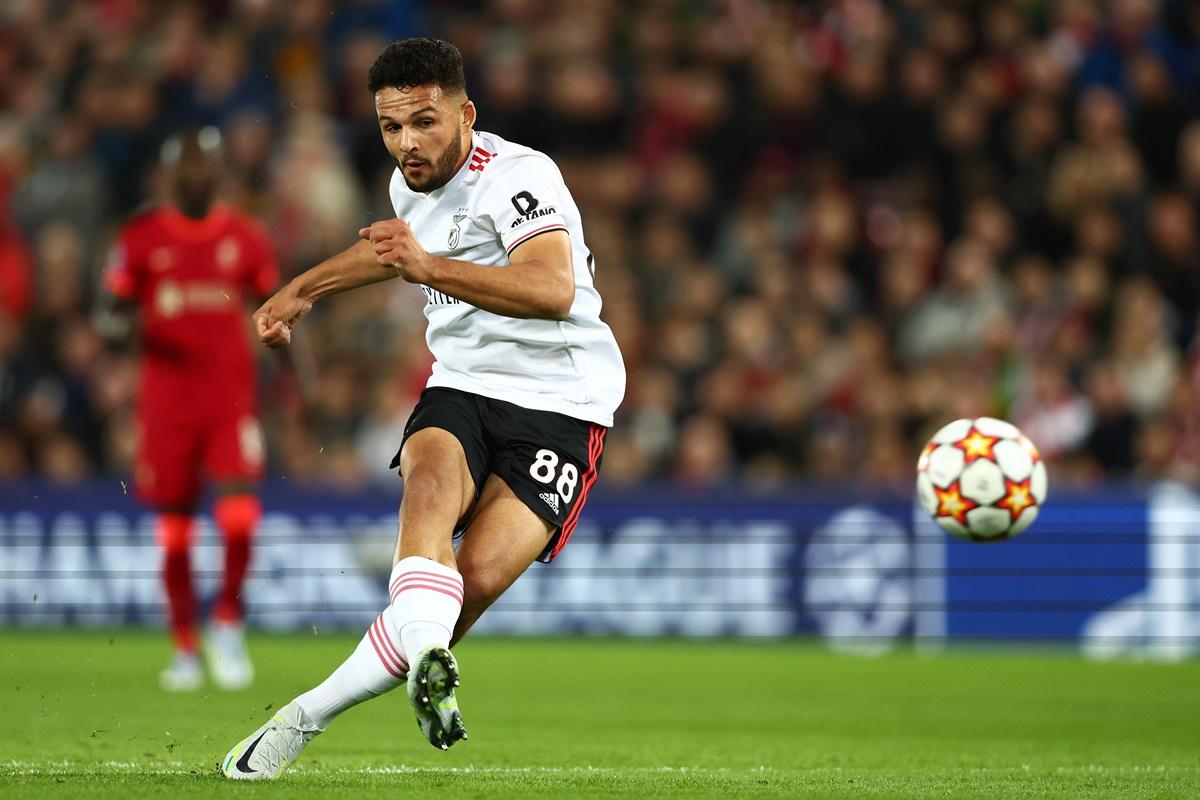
(225, 649)
(266, 753)
(184, 673)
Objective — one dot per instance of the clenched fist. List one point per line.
(275, 319)
(396, 246)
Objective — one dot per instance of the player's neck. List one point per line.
(466, 152)
(190, 227)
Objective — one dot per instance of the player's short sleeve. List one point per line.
(262, 267)
(124, 270)
(524, 199)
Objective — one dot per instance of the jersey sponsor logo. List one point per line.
(172, 298)
(480, 159)
(227, 253)
(436, 298)
(524, 203)
(550, 500)
(168, 300)
(456, 231)
(528, 208)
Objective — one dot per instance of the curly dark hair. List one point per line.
(417, 61)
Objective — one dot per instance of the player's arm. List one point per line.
(113, 318)
(116, 306)
(538, 283)
(353, 267)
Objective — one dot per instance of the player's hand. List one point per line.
(275, 319)
(396, 246)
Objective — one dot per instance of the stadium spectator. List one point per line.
(1009, 189)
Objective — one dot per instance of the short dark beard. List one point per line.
(443, 170)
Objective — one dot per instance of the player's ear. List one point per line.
(468, 115)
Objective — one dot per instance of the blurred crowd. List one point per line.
(821, 229)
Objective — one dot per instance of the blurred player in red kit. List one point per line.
(186, 271)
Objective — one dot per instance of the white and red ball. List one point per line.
(981, 479)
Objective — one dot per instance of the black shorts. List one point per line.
(549, 460)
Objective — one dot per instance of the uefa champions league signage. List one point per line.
(1116, 570)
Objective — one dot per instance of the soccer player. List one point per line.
(186, 271)
(506, 440)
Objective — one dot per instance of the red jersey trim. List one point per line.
(595, 450)
(536, 232)
(480, 158)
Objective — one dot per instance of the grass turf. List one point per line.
(594, 718)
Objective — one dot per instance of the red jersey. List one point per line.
(192, 280)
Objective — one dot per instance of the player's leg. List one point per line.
(426, 588)
(440, 489)
(173, 530)
(530, 505)
(421, 588)
(233, 455)
(236, 511)
(502, 539)
(165, 478)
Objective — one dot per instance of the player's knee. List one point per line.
(481, 588)
(433, 462)
(433, 489)
(174, 532)
(237, 515)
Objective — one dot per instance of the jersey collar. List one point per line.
(195, 230)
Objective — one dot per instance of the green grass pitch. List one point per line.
(83, 717)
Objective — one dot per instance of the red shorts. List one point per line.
(178, 448)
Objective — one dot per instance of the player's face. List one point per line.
(194, 179)
(426, 131)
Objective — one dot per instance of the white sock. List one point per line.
(376, 666)
(426, 599)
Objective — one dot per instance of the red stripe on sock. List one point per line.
(406, 586)
(384, 655)
(426, 577)
(456, 578)
(432, 577)
(390, 645)
(391, 668)
(429, 587)
(381, 635)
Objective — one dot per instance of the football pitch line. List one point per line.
(180, 768)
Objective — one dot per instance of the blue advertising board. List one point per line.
(1115, 568)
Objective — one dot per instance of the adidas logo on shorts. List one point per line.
(551, 500)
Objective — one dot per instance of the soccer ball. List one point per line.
(981, 479)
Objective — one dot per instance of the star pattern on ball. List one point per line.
(976, 445)
(952, 504)
(1017, 498)
(1029, 447)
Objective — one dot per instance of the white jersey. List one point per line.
(504, 195)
